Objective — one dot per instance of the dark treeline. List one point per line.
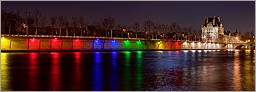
(33, 23)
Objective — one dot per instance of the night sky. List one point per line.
(234, 14)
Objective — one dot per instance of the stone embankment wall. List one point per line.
(40, 43)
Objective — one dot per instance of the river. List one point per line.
(181, 70)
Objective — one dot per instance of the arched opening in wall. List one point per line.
(242, 47)
(252, 46)
(224, 45)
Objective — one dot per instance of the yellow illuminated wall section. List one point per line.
(5, 43)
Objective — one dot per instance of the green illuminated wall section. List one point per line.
(126, 44)
(139, 44)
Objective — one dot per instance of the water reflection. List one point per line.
(33, 71)
(97, 72)
(77, 72)
(139, 76)
(236, 76)
(114, 72)
(248, 75)
(129, 70)
(5, 74)
(55, 72)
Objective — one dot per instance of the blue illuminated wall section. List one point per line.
(98, 44)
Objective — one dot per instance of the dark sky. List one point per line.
(234, 14)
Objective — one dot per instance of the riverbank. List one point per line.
(119, 50)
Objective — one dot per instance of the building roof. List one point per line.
(215, 21)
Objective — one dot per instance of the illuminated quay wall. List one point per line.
(46, 43)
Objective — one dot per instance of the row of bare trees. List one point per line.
(34, 23)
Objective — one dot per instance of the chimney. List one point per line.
(214, 23)
(206, 19)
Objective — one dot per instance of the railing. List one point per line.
(7, 35)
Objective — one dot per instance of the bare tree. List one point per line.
(136, 27)
(74, 19)
(163, 29)
(29, 22)
(20, 22)
(37, 17)
(66, 24)
(11, 22)
(82, 24)
(42, 22)
(53, 24)
(60, 22)
(108, 24)
(148, 26)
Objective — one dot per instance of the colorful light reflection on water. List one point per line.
(128, 70)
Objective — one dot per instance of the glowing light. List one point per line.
(199, 51)
(186, 51)
(32, 40)
(113, 41)
(55, 39)
(127, 43)
(114, 61)
(139, 54)
(230, 49)
(193, 50)
(96, 40)
(77, 57)
(139, 44)
(160, 51)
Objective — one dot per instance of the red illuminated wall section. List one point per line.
(56, 44)
(78, 44)
(34, 44)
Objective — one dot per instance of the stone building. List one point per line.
(212, 30)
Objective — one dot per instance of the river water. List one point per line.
(182, 70)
